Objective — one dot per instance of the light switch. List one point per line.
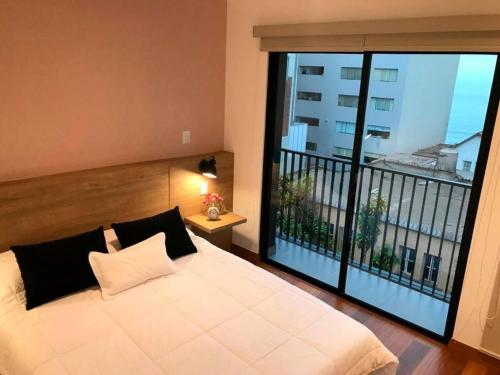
(186, 137)
(203, 188)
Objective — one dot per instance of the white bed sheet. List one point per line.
(217, 315)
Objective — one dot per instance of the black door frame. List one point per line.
(272, 153)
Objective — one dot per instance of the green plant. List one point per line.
(385, 259)
(309, 232)
(296, 194)
(297, 216)
(368, 224)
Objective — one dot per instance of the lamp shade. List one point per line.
(207, 168)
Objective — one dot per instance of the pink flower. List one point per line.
(212, 198)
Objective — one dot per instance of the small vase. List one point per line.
(213, 212)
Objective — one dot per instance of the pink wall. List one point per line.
(89, 83)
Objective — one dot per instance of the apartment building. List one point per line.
(403, 96)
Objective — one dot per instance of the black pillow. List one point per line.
(56, 268)
(177, 240)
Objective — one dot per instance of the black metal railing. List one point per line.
(407, 227)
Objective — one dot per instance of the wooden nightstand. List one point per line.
(219, 232)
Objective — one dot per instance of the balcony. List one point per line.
(407, 231)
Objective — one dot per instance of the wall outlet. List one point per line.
(186, 137)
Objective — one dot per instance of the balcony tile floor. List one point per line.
(408, 304)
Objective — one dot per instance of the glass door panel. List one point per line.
(311, 175)
(423, 126)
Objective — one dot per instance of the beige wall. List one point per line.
(246, 77)
(484, 256)
(89, 83)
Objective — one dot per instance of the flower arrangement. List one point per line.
(214, 203)
(212, 199)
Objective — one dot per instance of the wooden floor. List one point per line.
(417, 353)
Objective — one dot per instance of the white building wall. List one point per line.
(418, 119)
(330, 85)
(393, 90)
(426, 101)
(468, 151)
(296, 138)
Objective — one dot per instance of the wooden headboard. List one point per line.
(44, 208)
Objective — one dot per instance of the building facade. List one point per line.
(324, 95)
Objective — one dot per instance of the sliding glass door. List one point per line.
(420, 145)
(373, 170)
(315, 152)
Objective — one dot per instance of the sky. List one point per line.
(470, 100)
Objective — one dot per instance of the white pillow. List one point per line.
(9, 272)
(132, 266)
(10, 275)
(112, 242)
(190, 232)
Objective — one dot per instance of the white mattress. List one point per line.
(218, 315)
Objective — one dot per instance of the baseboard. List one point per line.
(479, 355)
(245, 254)
(490, 353)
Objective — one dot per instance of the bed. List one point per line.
(218, 314)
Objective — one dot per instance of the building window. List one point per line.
(348, 101)
(467, 165)
(311, 121)
(381, 104)
(340, 236)
(342, 152)
(408, 257)
(340, 239)
(431, 267)
(350, 73)
(386, 75)
(378, 131)
(345, 127)
(307, 95)
(331, 231)
(311, 70)
(311, 146)
(372, 156)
